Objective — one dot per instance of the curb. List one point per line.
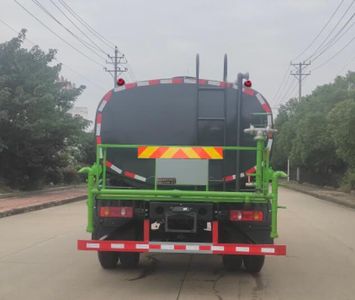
(38, 192)
(322, 197)
(22, 210)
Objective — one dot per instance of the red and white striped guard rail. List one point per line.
(177, 247)
(173, 247)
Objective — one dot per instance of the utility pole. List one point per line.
(117, 60)
(298, 73)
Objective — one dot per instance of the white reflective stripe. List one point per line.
(100, 153)
(117, 246)
(242, 249)
(93, 245)
(217, 248)
(269, 120)
(120, 88)
(260, 98)
(141, 178)
(98, 129)
(142, 246)
(189, 80)
(116, 169)
(192, 247)
(166, 247)
(211, 82)
(166, 81)
(268, 250)
(102, 105)
(142, 83)
(242, 175)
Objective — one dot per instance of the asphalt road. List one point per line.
(38, 260)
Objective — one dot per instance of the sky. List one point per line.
(161, 38)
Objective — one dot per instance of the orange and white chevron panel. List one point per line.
(175, 152)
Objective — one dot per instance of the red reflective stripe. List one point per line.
(177, 80)
(205, 247)
(154, 82)
(266, 107)
(108, 164)
(99, 118)
(202, 81)
(130, 85)
(179, 247)
(248, 91)
(154, 246)
(129, 174)
(108, 96)
(98, 140)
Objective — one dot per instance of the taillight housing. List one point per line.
(246, 215)
(116, 212)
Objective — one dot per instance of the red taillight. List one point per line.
(120, 82)
(246, 215)
(247, 83)
(116, 212)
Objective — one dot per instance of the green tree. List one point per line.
(36, 128)
(315, 133)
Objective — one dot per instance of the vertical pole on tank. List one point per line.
(239, 106)
(225, 74)
(197, 94)
(115, 68)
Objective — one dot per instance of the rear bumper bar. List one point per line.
(171, 247)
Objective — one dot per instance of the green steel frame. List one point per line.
(97, 188)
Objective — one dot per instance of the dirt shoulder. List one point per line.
(24, 202)
(322, 193)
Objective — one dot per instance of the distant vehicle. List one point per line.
(183, 167)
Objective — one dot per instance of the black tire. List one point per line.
(108, 260)
(254, 263)
(232, 262)
(129, 259)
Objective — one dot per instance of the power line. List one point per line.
(67, 66)
(335, 38)
(86, 25)
(331, 32)
(88, 46)
(321, 31)
(78, 28)
(57, 35)
(292, 84)
(97, 35)
(282, 83)
(336, 54)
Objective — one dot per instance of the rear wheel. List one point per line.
(253, 263)
(108, 260)
(129, 259)
(232, 262)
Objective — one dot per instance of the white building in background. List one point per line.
(82, 111)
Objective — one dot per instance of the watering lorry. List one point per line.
(182, 166)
